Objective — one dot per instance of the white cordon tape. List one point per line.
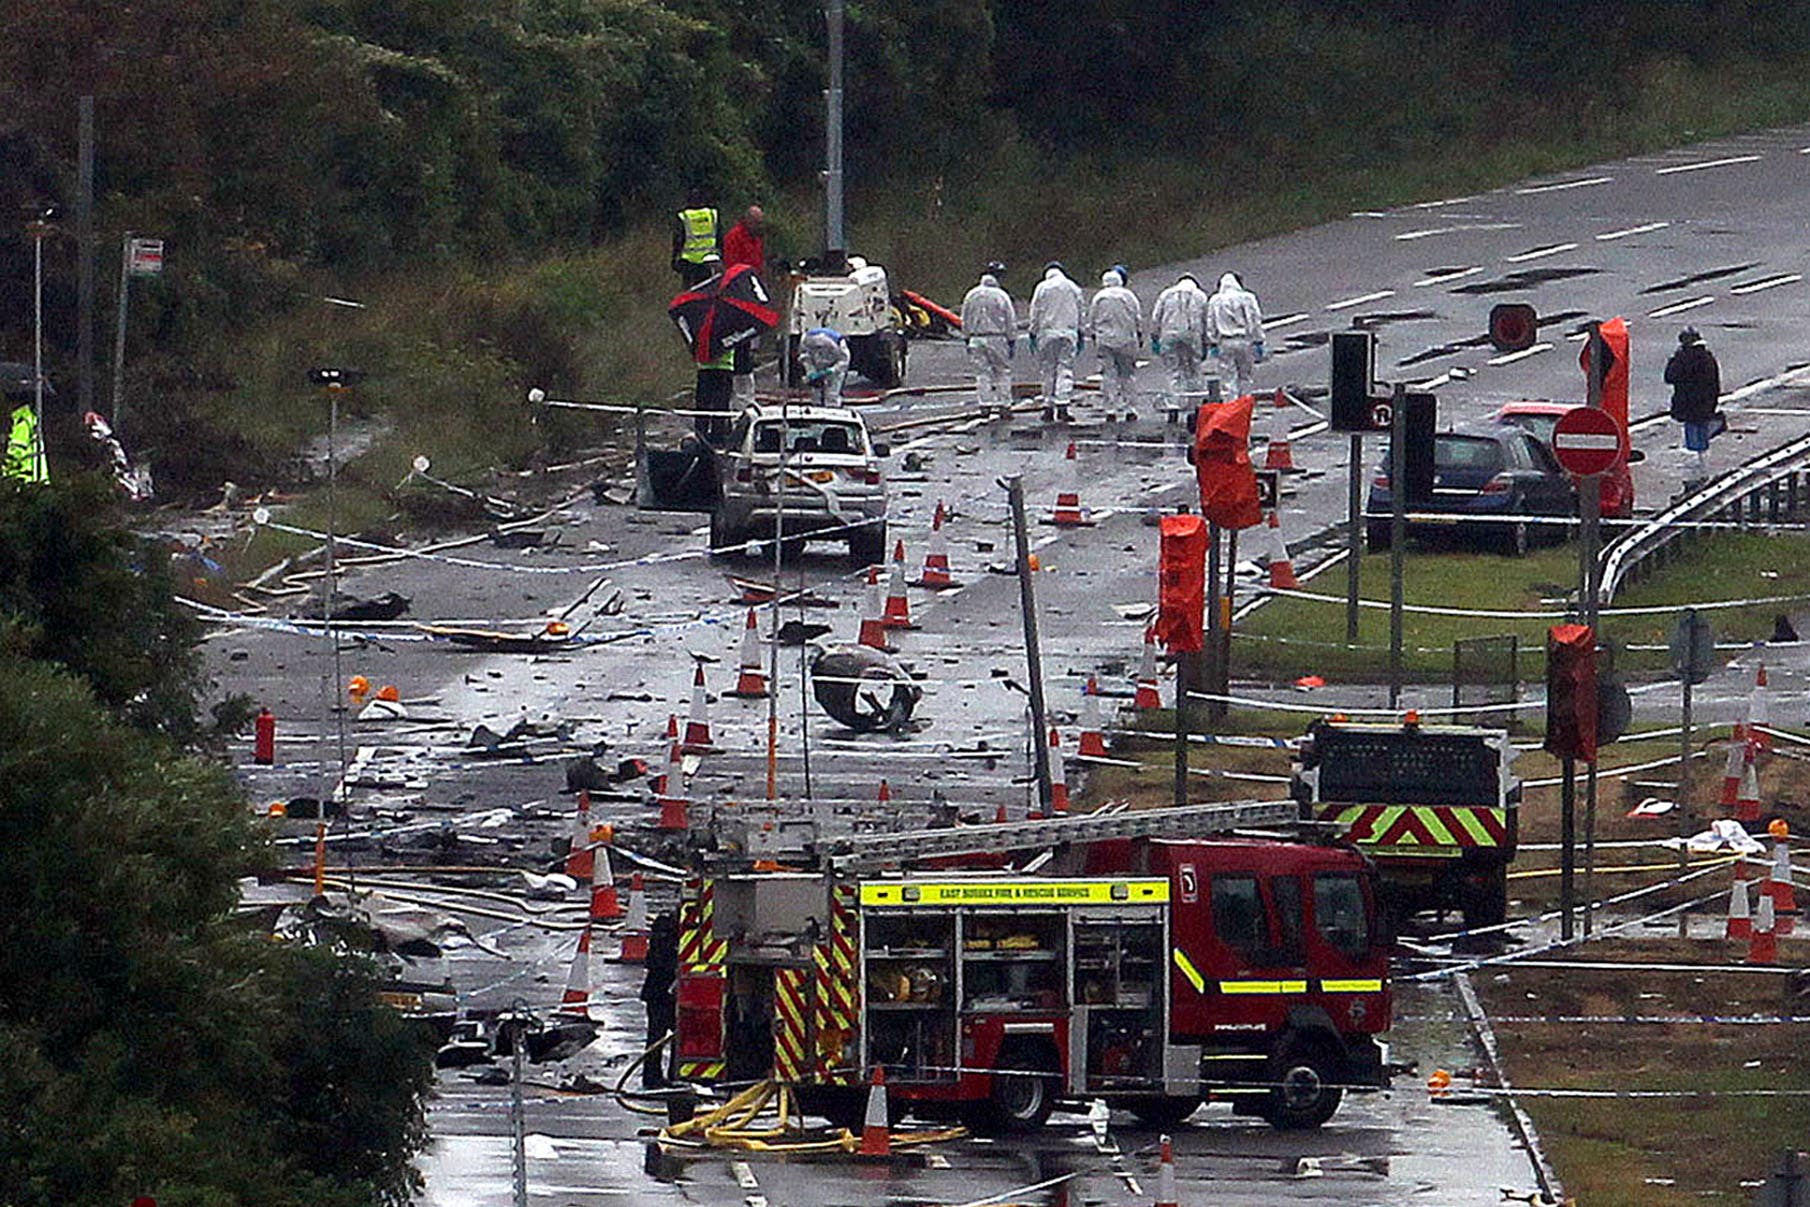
(1334, 710)
(1660, 1020)
(1543, 614)
(1619, 899)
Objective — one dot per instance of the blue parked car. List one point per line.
(1484, 471)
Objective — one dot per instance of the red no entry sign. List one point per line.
(1587, 441)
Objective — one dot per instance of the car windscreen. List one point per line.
(810, 436)
(1540, 426)
(1475, 454)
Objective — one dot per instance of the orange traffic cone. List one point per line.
(606, 906)
(674, 805)
(634, 924)
(873, 626)
(1747, 801)
(1759, 712)
(999, 815)
(578, 854)
(751, 679)
(885, 795)
(897, 613)
(1740, 911)
(1093, 740)
(1068, 513)
(1165, 1176)
(1058, 776)
(576, 1000)
(1763, 948)
(1148, 696)
(672, 726)
(697, 725)
(1282, 570)
(1780, 889)
(1731, 775)
(936, 575)
(876, 1131)
(1279, 455)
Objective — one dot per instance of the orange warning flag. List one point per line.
(1182, 583)
(1222, 464)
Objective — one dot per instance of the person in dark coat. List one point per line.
(1696, 382)
(657, 993)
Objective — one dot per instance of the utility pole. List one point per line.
(84, 239)
(1398, 532)
(1354, 505)
(1591, 501)
(1027, 603)
(119, 331)
(833, 241)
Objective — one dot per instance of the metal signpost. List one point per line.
(1398, 532)
(1693, 647)
(1027, 602)
(137, 258)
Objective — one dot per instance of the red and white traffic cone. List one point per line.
(876, 1131)
(1763, 947)
(1279, 455)
(576, 1000)
(1068, 512)
(1282, 570)
(1784, 896)
(999, 815)
(634, 924)
(1747, 801)
(936, 576)
(1740, 910)
(1731, 774)
(1759, 712)
(897, 613)
(697, 725)
(751, 679)
(873, 623)
(1093, 739)
(606, 906)
(578, 854)
(1149, 695)
(674, 804)
(884, 797)
(1165, 1176)
(1058, 775)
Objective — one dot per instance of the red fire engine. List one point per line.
(1154, 959)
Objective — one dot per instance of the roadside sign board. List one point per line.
(1693, 647)
(1587, 441)
(1269, 488)
(144, 257)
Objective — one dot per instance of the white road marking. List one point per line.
(744, 1176)
(1285, 321)
(1708, 163)
(1681, 307)
(1509, 358)
(1551, 249)
(1803, 150)
(1442, 277)
(1348, 303)
(1430, 231)
(1789, 278)
(1633, 230)
(1564, 184)
(1433, 205)
(1790, 377)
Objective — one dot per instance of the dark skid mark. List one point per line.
(1714, 274)
(1446, 271)
(1451, 349)
(1527, 278)
(1382, 318)
(1308, 339)
(1562, 316)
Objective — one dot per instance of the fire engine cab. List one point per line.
(1155, 960)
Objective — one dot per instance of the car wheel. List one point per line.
(1377, 536)
(1304, 1085)
(867, 544)
(1164, 1113)
(1516, 538)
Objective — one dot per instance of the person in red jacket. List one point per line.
(746, 244)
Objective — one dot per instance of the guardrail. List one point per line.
(1771, 488)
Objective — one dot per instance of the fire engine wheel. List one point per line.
(1024, 1093)
(1305, 1090)
(1161, 1112)
(1484, 902)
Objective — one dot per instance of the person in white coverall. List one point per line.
(991, 327)
(825, 356)
(1178, 335)
(1235, 329)
(1116, 320)
(1055, 320)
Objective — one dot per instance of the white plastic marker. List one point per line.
(1708, 163)
(1642, 229)
(1564, 184)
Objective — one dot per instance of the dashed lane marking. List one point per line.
(1509, 358)
(1440, 278)
(1789, 278)
(1681, 307)
(1561, 185)
(1538, 253)
(1729, 161)
(1348, 303)
(1285, 321)
(1642, 229)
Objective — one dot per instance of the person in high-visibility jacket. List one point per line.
(697, 232)
(24, 460)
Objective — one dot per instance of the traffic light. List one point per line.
(1353, 368)
(1571, 692)
(1422, 419)
(1513, 326)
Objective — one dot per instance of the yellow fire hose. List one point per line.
(731, 1125)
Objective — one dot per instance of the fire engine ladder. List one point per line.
(1188, 821)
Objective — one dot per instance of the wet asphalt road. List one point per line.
(1624, 238)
